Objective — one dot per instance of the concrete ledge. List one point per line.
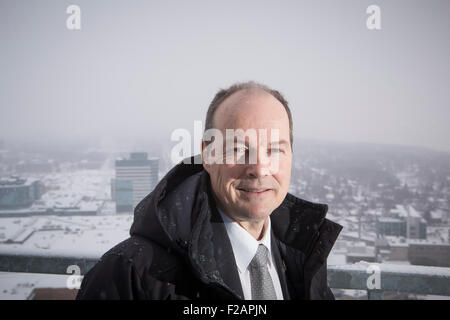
(396, 278)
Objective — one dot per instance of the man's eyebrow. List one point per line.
(235, 140)
(279, 142)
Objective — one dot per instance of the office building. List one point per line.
(405, 222)
(135, 178)
(429, 253)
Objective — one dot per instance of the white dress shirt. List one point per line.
(244, 249)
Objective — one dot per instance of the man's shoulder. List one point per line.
(298, 204)
(314, 210)
(133, 269)
(143, 254)
(302, 224)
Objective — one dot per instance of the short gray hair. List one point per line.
(225, 93)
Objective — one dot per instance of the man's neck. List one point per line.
(256, 229)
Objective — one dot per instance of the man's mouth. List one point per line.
(254, 191)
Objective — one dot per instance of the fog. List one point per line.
(138, 70)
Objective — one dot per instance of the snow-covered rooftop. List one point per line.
(406, 211)
(83, 236)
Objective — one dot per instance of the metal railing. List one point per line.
(374, 278)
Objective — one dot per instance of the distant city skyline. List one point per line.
(393, 203)
(143, 69)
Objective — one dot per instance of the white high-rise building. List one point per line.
(135, 178)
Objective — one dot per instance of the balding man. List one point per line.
(223, 226)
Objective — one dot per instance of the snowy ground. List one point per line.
(83, 236)
(52, 235)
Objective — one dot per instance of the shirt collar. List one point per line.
(243, 244)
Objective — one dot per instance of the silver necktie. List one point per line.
(260, 280)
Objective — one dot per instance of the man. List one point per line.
(225, 229)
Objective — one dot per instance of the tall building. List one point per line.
(135, 178)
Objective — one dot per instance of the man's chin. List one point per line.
(254, 213)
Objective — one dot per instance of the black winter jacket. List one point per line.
(179, 248)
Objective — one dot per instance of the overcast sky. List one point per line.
(145, 68)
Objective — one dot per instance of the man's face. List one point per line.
(252, 190)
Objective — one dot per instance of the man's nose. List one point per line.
(260, 167)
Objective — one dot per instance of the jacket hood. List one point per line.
(167, 214)
(176, 214)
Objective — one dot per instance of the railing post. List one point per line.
(375, 294)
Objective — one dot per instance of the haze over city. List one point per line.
(142, 69)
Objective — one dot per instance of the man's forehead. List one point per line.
(250, 107)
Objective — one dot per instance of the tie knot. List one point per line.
(260, 258)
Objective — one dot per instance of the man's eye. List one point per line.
(275, 150)
(239, 149)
